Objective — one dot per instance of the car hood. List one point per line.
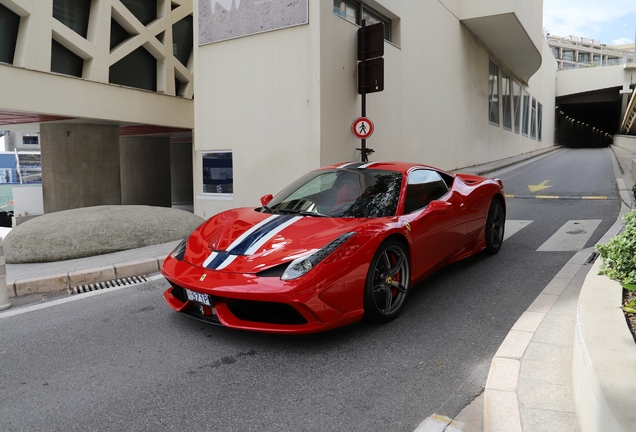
(247, 241)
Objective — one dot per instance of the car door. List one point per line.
(435, 216)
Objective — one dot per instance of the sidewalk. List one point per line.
(29, 283)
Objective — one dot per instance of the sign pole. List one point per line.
(363, 147)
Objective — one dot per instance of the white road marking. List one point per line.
(571, 237)
(514, 226)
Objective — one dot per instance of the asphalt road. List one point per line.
(123, 360)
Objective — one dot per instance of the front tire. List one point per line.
(387, 282)
(495, 225)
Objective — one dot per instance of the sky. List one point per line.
(612, 22)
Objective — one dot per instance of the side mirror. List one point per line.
(266, 199)
(439, 207)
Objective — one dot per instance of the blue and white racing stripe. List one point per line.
(250, 241)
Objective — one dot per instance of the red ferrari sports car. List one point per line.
(341, 243)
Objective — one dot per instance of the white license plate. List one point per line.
(198, 297)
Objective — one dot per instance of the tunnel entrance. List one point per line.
(588, 119)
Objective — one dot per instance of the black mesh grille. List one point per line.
(179, 293)
(264, 312)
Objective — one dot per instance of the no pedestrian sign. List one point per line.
(362, 128)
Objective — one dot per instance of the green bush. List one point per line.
(618, 255)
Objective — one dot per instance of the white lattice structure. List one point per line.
(38, 28)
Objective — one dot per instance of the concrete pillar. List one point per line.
(80, 165)
(181, 173)
(145, 171)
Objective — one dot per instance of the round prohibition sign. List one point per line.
(362, 128)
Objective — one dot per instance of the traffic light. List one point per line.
(371, 63)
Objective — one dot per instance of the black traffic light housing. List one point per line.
(370, 52)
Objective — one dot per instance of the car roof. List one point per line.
(403, 167)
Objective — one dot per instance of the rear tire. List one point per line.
(387, 282)
(495, 224)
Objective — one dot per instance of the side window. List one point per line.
(423, 187)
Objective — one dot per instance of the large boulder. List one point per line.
(90, 231)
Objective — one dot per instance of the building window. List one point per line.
(516, 98)
(533, 119)
(506, 102)
(568, 55)
(182, 40)
(584, 57)
(30, 140)
(493, 94)
(539, 121)
(555, 52)
(65, 61)
(117, 34)
(526, 109)
(144, 10)
(9, 25)
(73, 14)
(218, 177)
(350, 10)
(138, 69)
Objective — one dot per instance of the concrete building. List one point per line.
(22, 141)
(574, 52)
(465, 82)
(109, 87)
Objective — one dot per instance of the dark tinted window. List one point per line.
(73, 14)
(144, 10)
(9, 25)
(138, 69)
(423, 187)
(350, 193)
(182, 39)
(65, 62)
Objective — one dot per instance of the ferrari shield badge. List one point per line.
(202, 278)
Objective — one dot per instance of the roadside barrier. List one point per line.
(4, 295)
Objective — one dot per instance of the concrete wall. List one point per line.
(181, 173)
(575, 81)
(45, 93)
(145, 171)
(80, 165)
(283, 102)
(626, 141)
(259, 98)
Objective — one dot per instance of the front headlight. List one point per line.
(179, 251)
(302, 265)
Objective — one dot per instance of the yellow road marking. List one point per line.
(537, 188)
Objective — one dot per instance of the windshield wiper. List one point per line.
(301, 212)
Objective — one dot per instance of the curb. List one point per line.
(600, 359)
(604, 356)
(67, 281)
(484, 169)
(604, 352)
(501, 406)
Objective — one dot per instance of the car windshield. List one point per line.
(341, 192)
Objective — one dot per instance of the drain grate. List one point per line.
(592, 258)
(109, 284)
